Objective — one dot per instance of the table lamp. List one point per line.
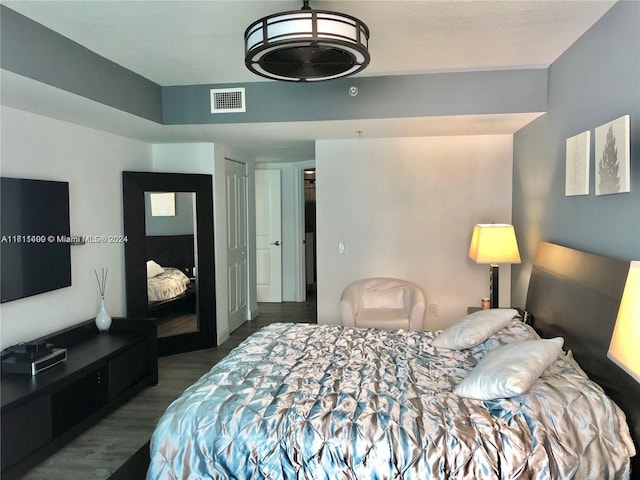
(625, 340)
(493, 244)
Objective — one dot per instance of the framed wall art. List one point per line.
(612, 157)
(577, 164)
(163, 204)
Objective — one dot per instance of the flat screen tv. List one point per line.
(35, 254)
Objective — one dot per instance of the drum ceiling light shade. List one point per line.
(306, 45)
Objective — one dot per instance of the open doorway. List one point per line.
(310, 232)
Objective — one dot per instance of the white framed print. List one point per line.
(163, 204)
(577, 164)
(612, 157)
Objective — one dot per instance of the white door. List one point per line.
(236, 242)
(268, 236)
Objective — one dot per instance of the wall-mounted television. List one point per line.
(35, 255)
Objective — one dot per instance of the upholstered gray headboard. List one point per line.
(576, 295)
(172, 251)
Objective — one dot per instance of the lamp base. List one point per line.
(494, 285)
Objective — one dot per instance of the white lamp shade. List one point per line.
(625, 341)
(494, 243)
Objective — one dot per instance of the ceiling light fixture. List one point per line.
(306, 45)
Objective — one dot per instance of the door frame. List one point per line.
(299, 240)
(292, 185)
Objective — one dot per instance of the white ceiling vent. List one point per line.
(227, 100)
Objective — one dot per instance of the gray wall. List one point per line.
(595, 81)
(432, 94)
(180, 224)
(34, 51)
(30, 49)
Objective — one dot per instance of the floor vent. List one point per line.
(227, 100)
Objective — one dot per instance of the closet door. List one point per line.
(237, 269)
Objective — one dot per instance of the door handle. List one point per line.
(276, 243)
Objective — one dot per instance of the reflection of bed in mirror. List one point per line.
(171, 288)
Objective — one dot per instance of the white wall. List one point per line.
(33, 146)
(92, 162)
(414, 186)
(209, 158)
(201, 158)
(406, 207)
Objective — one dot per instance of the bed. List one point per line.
(170, 264)
(330, 402)
(165, 284)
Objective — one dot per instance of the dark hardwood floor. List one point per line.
(102, 452)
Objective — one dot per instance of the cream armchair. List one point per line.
(385, 303)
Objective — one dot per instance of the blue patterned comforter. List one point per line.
(300, 401)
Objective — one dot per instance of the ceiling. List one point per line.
(201, 42)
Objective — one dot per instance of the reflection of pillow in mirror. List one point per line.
(509, 370)
(153, 269)
(386, 298)
(474, 329)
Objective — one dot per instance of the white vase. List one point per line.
(103, 319)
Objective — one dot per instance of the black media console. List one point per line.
(39, 414)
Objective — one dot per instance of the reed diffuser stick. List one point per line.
(102, 280)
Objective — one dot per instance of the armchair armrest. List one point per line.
(349, 306)
(416, 304)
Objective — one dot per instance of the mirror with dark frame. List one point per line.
(168, 220)
(171, 258)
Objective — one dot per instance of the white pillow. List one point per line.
(509, 370)
(386, 298)
(474, 329)
(153, 269)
